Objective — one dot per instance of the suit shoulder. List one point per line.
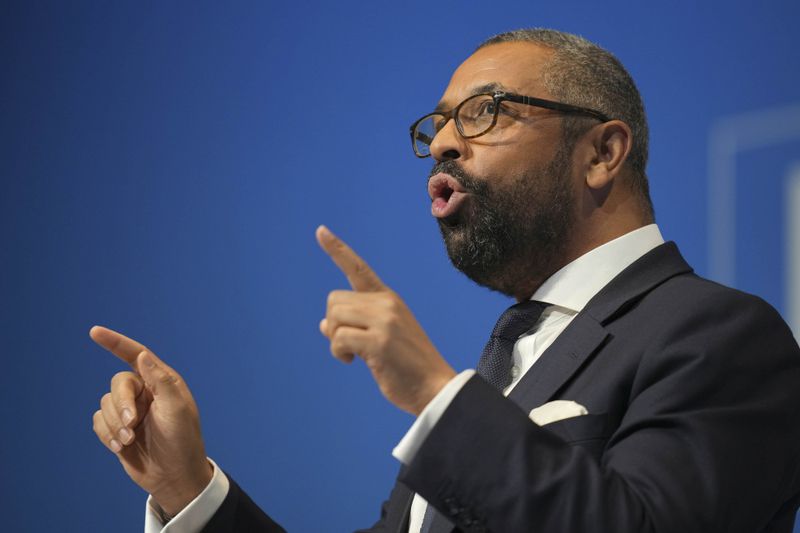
(689, 294)
(696, 317)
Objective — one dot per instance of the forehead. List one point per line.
(514, 67)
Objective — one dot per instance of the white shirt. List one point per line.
(567, 291)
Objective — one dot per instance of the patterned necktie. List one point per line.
(495, 362)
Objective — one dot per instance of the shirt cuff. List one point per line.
(194, 516)
(422, 426)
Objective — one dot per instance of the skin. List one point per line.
(150, 421)
(605, 208)
(149, 418)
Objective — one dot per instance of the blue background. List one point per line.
(163, 167)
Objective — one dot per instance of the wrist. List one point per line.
(174, 498)
(434, 386)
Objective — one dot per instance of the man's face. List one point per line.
(504, 201)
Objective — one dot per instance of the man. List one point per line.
(622, 393)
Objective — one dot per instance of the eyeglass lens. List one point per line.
(474, 116)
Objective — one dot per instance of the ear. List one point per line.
(611, 142)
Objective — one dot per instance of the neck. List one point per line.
(602, 233)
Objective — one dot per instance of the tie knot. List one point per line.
(518, 319)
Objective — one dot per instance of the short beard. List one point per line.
(510, 238)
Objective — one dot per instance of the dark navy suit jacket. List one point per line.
(693, 393)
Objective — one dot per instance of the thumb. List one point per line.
(164, 383)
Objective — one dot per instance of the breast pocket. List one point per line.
(587, 431)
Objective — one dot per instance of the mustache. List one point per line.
(470, 183)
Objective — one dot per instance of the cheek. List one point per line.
(507, 161)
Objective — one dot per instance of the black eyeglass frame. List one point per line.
(497, 97)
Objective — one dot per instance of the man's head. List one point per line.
(541, 186)
(581, 73)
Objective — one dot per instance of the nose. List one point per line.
(448, 143)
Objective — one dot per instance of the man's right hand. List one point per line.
(151, 422)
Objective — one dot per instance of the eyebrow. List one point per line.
(487, 88)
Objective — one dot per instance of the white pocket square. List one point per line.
(556, 410)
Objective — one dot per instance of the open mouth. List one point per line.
(446, 194)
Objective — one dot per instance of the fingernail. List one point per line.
(115, 445)
(126, 435)
(147, 360)
(127, 416)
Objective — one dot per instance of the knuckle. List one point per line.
(119, 379)
(360, 267)
(333, 327)
(336, 343)
(115, 343)
(101, 430)
(395, 303)
(334, 297)
(388, 300)
(343, 356)
(332, 311)
(120, 376)
(103, 436)
(105, 401)
(336, 351)
(339, 348)
(167, 378)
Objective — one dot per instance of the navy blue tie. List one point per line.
(495, 362)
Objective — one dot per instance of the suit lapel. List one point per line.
(398, 507)
(566, 355)
(586, 333)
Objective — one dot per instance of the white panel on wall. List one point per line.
(792, 211)
(729, 137)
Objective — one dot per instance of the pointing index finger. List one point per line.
(361, 277)
(118, 344)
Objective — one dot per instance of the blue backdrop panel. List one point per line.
(164, 165)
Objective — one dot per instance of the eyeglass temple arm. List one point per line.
(555, 106)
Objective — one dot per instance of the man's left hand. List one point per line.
(373, 322)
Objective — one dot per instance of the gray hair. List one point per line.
(583, 74)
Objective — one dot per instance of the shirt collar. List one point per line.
(576, 283)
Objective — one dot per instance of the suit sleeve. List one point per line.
(239, 514)
(394, 512)
(709, 442)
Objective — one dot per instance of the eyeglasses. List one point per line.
(477, 115)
